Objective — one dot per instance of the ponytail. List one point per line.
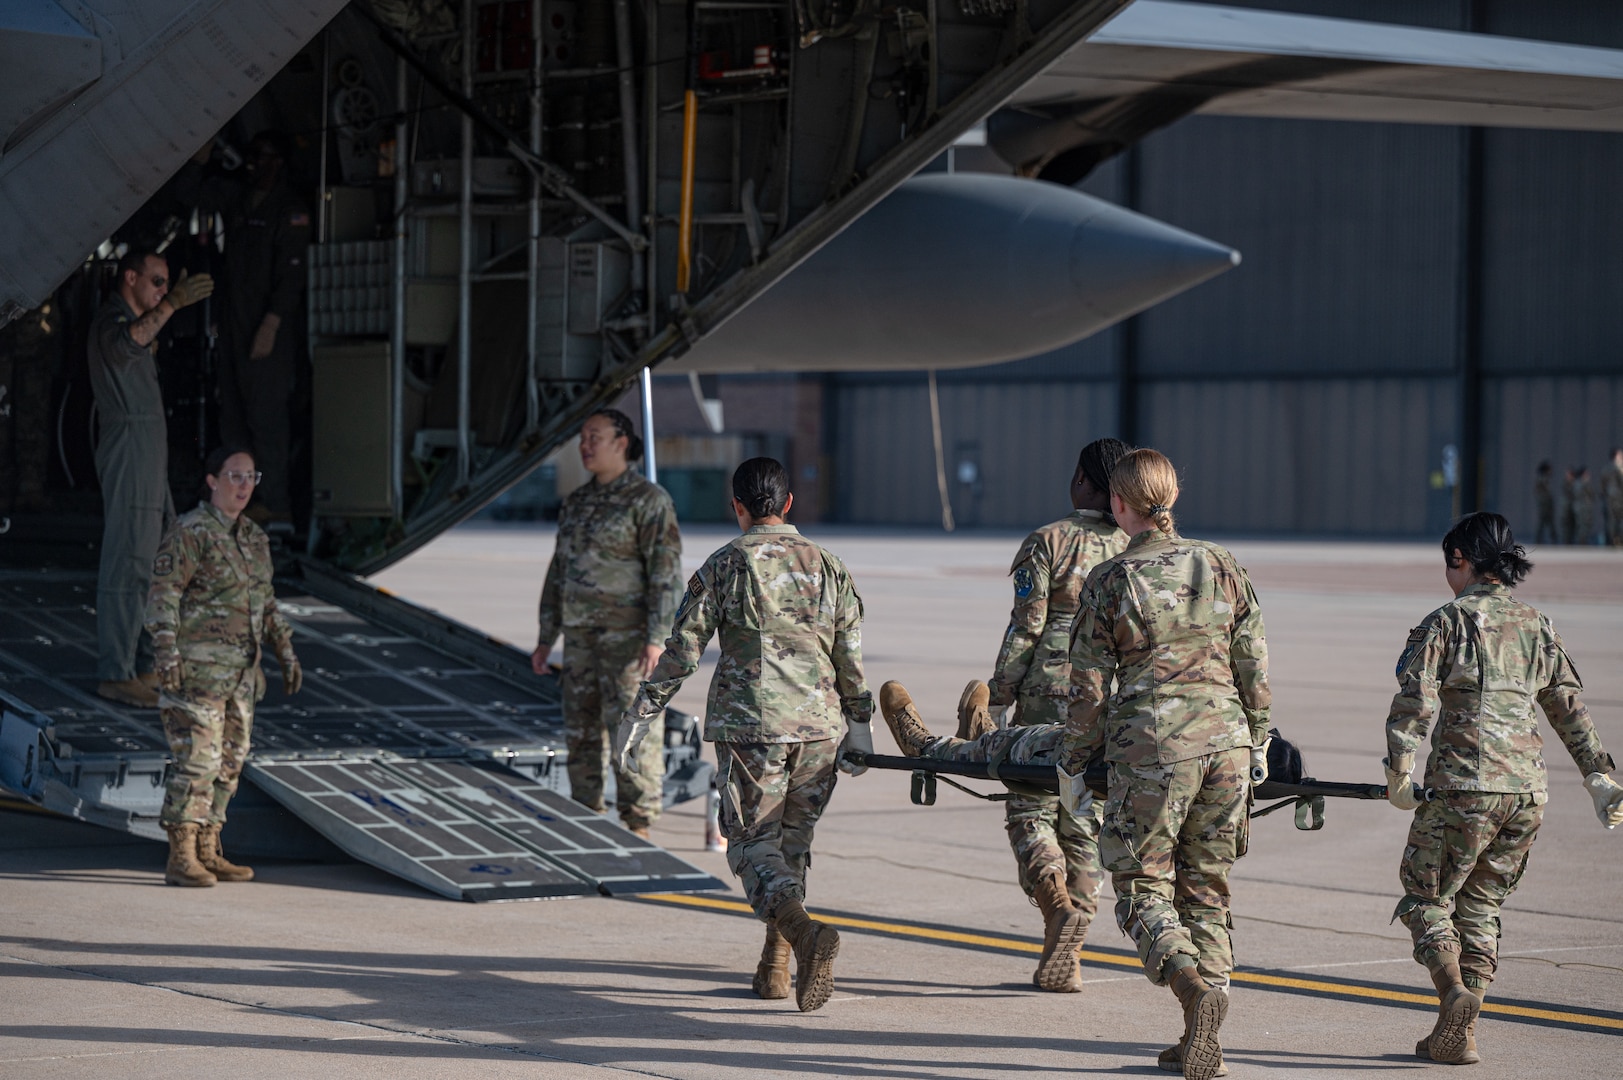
(1148, 484)
(1484, 540)
(623, 428)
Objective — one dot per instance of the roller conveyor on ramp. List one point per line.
(418, 745)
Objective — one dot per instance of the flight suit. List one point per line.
(1034, 674)
(132, 464)
(1175, 625)
(1469, 677)
(1611, 488)
(612, 589)
(788, 681)
(212, 606)
(1544, 502)
(267, 236)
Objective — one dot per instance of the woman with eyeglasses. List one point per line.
(210, 611)
(611, 590)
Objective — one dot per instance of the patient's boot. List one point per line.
(906, 726)
(974, 716)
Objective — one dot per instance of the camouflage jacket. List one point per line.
(1475, 667)
(1176, 624)
(790, 623)
(1049, 573)
(618, 562)
(211, 598)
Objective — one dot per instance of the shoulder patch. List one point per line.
(163, 565)
(1417, 637)
(1023, 582)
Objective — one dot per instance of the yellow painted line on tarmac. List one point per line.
(1278, 982)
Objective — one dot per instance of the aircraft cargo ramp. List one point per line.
(417, 745)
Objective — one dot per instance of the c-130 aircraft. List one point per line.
(523, 206)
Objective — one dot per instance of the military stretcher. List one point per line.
(1286, 784)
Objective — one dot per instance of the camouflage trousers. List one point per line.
(603, 674)
(771, 797)
(1470, 847)
(1045, 837)
(209, 723)
(1171, 833)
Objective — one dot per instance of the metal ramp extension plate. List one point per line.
(469, 829)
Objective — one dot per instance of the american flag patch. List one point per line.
(299, 218)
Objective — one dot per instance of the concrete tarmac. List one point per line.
(342, 971)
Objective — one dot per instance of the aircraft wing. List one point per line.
(1159, 61)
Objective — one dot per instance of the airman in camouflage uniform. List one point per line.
(210, 611)
(788, 688)
(611, 589)
(1583, 507)
(1175, 626)
(1469, 677)
(1034, 675)
(1611, 488)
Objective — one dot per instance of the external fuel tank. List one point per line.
(960, 270)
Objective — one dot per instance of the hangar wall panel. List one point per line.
(1338, 456)
(1552, 275)
(1022, 437)
(1565, 420)
(1349, 235)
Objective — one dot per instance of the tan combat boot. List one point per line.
(772, 973)
(1064, 928)
(214, 860)
(906, 726)
(815, 945)
(183, 867)
(1453, 1038)
(1204, 1008)
(1171, 1060)
(974, 714)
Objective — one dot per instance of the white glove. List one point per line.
(1399, 788)
(1259, 761)
(1074, 793)
(858, 740)
(1608, 796)
(627, 737)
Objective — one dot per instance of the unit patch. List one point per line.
(163, 565)
(1417, 637)
(1023, 582)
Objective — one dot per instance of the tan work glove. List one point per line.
(190, 289)
(1399, 788)
(1259, 761)
(1608, 796)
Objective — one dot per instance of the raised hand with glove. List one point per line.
(1399, 786)
(1608, 796)
(188, 289)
